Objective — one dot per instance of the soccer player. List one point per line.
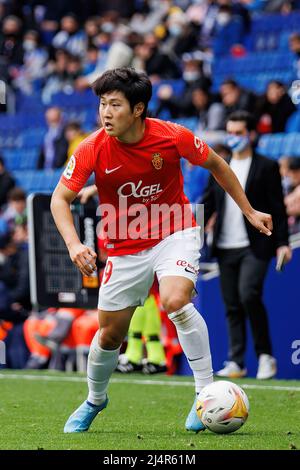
(136, 161)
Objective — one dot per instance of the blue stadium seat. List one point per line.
(292, 144)
(271, 145)
(82, 99)
(37, 180)
(277, 145)
(21, 158)
(293, 123)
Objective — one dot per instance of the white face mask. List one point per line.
(191, 75)
(108, 27)
(175, 30)
(223, 19)
(29, 45)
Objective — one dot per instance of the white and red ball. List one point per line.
(223, 407)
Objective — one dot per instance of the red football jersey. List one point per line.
(140, 185)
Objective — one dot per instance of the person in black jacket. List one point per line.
(15, 303)
(55, 146)
(243, 253)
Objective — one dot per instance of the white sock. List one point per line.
(193, 337)
(101, 364)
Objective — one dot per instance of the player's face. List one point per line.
(115, 113)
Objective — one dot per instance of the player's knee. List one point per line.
(174, 302)
(110, 338)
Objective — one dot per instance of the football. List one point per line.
(223, 407)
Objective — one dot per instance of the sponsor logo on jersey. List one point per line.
(157, 161)
(188, 267)
(70, 168)
(131, 189)
(199, 144)
(107, 171)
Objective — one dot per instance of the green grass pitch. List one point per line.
(143, 413)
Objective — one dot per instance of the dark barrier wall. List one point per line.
(282, 298)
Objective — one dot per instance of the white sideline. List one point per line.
(172, 383)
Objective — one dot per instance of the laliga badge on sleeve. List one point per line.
(70, 168)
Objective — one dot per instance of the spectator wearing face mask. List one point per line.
(28, 78)
(229, 30)
(182, 35)
(194, 77)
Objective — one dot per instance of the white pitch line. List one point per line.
(174, 383)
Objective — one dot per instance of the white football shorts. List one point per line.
(127, 279)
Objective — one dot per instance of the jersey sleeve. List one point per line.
(79, 168)
(190, 146)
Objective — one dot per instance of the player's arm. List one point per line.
(82, 256)
(226, 178)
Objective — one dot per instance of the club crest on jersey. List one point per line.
(157, 161)
(70, 168)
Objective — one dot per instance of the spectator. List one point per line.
(14, 276)
(70, 37)
(294, 44)
(16, 207)
(229, 31)
(210, 114)
(55, 147)
(274, 109)
(234, 98)
(182, 35)
(91, 28)
(11, 49)
(91, 60)
(155, 63)
(243, 255)
(58, 78)
(119, 54)
(193, 76)
(28, 77)
(6, 183)
(74, 135)
(284, 167)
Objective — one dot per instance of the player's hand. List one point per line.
(286, 252)
(86, 193)
(84, 258)
(263, 222)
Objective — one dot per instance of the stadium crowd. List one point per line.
(60, 47)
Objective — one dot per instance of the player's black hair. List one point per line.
(136, 86)
(244, 116)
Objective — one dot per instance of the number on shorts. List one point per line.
(107, 272)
